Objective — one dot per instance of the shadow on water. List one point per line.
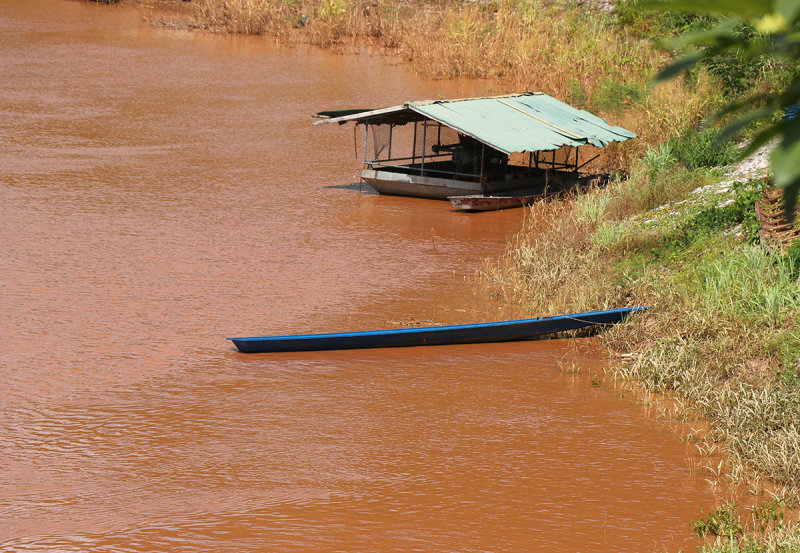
(362, 187)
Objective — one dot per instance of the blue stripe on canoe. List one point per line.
(433, 335)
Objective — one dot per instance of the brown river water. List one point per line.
(161, 190)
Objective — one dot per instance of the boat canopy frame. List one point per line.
(518, 124)
(438, 150)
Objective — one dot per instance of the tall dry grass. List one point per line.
(551, 267)
(572, 53)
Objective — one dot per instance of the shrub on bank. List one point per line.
(696, 149)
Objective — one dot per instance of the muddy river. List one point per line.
(161, 190)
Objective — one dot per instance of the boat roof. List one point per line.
(527, 122)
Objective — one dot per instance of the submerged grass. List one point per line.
(762, 530)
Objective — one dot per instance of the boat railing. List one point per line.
(429, 169)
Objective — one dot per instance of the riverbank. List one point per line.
(723, 339)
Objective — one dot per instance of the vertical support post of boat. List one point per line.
(414, 147)
(366, 136)
(577, 149)
(424, 145)
(483, 154)
(391, 126)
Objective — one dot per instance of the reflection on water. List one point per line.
(160, 191)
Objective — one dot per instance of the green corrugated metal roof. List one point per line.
(515, 123)
(523, 123)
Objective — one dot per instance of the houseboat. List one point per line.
(515, 145)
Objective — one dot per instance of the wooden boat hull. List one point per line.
(559, 185)
(417, 186)
(397, 183)
(494, 202)
(502, 331)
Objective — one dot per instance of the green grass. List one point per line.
(748, 283)
(763, 529)
(697, 149)
(612, 235)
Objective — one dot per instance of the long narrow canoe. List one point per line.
(501, 331)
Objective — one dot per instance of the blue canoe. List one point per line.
(502, 331)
